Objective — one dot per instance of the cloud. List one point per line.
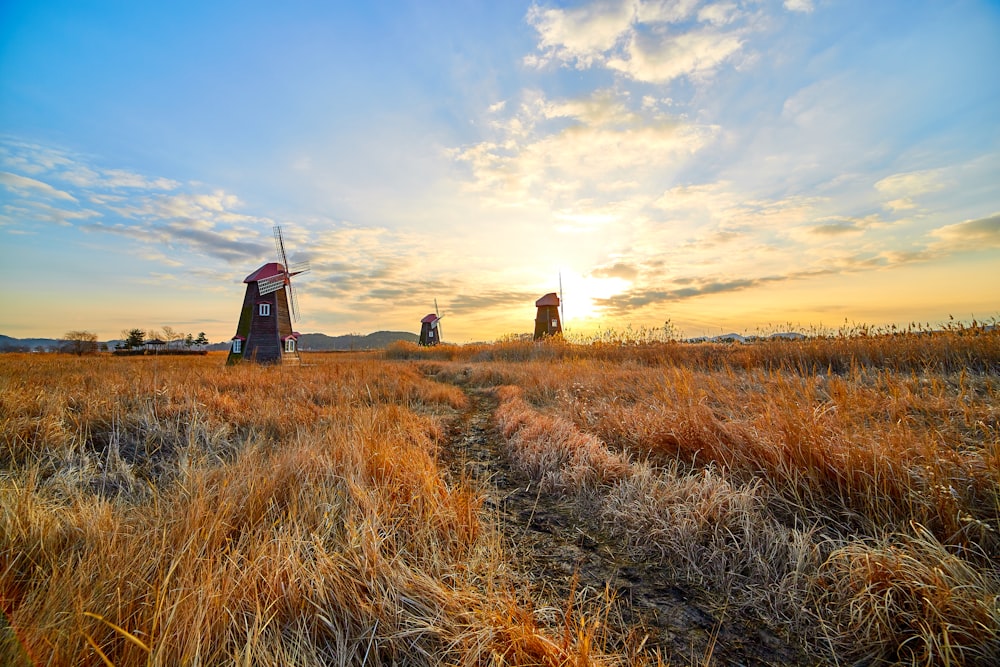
(553, 151)
(976, 234)
(901, 189)
(661, 57)
(835, 228)
(631, 300)
(652, 42)
(34, 211)
(72, 169)
(580, 35)
(26, 186)
(719, 13)
(720, 205)
(665, 11)
(229, 245)
(623, 270)
(487, 300)
(804, 6)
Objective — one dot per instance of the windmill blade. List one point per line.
(298, 267)
(436, 308)
(272, 284)
(562, 303)
(279, 246)
(293, 302)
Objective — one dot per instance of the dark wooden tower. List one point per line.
(547, 321)
(430, 327)
(265, 333)
(430, 330)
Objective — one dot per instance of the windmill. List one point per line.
(547, 320)
(265, 333)
(430, 327)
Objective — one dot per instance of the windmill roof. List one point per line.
(549, 299)
(429, 318)
(267, 271)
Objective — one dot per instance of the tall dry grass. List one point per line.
(179, 512)
(846, 487)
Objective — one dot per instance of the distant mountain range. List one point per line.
(316, 342)
(8, 344)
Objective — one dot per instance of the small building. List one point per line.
(430, 330)
(264, 333)
(547, 321)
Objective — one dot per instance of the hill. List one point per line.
(318, 342)
(8, 344)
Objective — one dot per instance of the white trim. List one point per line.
(237, 346)
(289, 345)
(264, 309)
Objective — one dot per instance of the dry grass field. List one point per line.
(828, 501)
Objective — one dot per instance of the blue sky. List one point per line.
(725, 165)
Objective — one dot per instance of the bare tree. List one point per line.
(80, 342)
(169, 335)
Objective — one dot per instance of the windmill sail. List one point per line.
(272, 284)
(293, 302)
(562, 302)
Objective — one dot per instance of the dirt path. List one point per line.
(559, 553)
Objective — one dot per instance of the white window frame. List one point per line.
(290, 345)
(237, 346)
(264, 309)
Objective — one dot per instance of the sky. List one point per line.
(732, 165)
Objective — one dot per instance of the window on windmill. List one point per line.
(237, 345)
(430, 334)
(290, 345)
(555, 323)
(265, 309)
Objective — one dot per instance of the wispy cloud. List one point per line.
(30, 186)
(487, 300)
(128, 205)
(653, 42)
(901, 189)
(636, 299)
(979, 234)
(556, 151)
(799, 5)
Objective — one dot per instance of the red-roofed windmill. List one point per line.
(265, 333)
(430, 327)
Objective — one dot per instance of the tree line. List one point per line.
(133, 340)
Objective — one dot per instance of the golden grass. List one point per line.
(179, 512)
(764, 472)
(157, 511)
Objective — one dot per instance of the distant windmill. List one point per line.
(265, 333)
(430, 327)
(547, 321)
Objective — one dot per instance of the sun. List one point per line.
(581, 299)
